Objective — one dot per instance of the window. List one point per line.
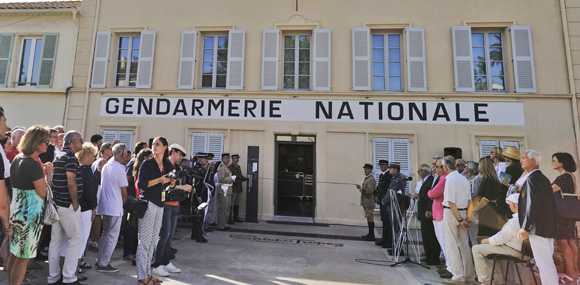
(215, 62)
(125, 137)
(297, 62)
(208, 142)
(127, 61)
(28, 70)
(393, 150)
(488, 64)
(386, 57)
(485, 146)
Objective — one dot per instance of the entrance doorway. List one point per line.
(295, 181)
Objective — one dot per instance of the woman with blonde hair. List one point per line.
(29, 184)
(490, 221)
(498, 160)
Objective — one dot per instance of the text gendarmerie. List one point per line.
(431, 112)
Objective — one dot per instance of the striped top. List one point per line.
(65, 161)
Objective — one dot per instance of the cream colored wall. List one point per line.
(46, 105)
(341, 148)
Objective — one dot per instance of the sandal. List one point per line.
(565, 279)
(156, 280)
(147, 281)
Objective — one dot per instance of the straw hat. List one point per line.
(512, 152)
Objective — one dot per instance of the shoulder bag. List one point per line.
(568, 205)
(135, 206)
(50, 213)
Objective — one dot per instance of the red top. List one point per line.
(11, 155)
(436, 194)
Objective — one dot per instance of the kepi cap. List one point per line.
(383, 161)
(368, 166)
(201, 155)
(225, 154)
(235, 155)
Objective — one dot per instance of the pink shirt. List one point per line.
(436, 194)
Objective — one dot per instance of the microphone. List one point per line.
(410, 178)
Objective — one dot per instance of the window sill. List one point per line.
(32, 90)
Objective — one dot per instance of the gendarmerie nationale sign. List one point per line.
(364, 111)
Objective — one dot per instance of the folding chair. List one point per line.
(527, 255)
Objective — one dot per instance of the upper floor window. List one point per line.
(127, 61)
(215, 62)
(386, 59)
(297, 62)
(488, 66)
(28, 70)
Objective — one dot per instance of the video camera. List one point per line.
(188, 174)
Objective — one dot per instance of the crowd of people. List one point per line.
(502, 204)
(89, 184)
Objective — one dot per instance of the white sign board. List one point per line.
(364, 111)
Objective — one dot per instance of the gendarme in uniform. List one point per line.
(226, 181)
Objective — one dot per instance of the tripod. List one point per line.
(405, 236)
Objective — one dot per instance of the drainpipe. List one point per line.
(570, 74)
(88, 84)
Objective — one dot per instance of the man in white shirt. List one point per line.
(455, 202)
(113, 195)
(505, 242)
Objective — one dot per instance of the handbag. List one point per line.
(568, 205)
(50, 213)
(135, 206)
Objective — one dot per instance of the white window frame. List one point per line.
(117, 136)
(29, 83)
(498, 143)
(386, 62)
(206, 148)
(214, 61)
(297, 60)
(129, 59)
(488, 61)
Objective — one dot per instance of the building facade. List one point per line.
(321, 87)
(37, 50)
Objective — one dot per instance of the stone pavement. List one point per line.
(256, 254)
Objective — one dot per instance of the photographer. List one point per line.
(162, 265)
(398, 185)
(203, 185)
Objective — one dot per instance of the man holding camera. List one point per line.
(162, 265)
(367, 200)
(203, 185)
(398, 185)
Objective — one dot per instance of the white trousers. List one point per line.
(483, 266)
(438, 225)
(69, 229)
(457, 248)
(86, 224)
(543, 248)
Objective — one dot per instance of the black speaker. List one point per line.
(453, 151)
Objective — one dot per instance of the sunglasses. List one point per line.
(47, 142)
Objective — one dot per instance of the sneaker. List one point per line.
(85, 265)
(171, 268)
(159, 271)
(107, 269)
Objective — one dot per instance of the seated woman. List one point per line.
(505, 242)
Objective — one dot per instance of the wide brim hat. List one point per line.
(178, 147)
(512, 152)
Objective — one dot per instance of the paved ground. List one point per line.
(246, 257)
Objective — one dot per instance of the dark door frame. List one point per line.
(276, 150)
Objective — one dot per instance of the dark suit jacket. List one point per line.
(424, 200)
(536, 206)
(383, 185)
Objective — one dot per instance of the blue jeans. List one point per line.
(163, 251)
